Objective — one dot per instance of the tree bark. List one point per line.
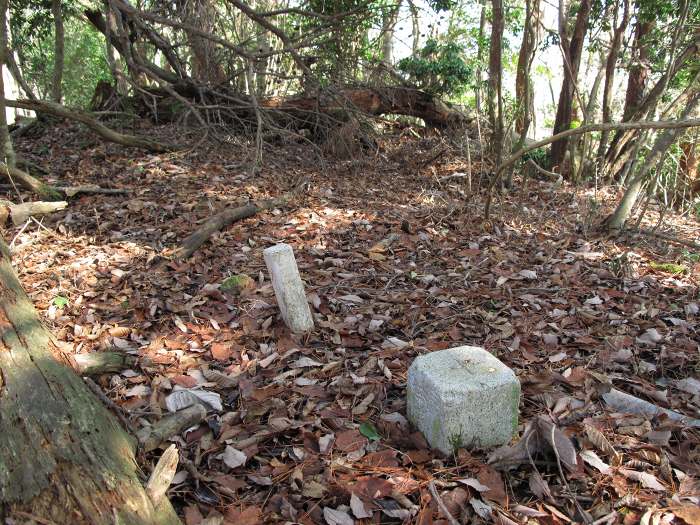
(7, 152)
(229, 216)
(373, 101)
(496, 78)
(689, 164)
(619, 150)
(572, 61)
(387, 34)
(56, 81)
(639, 72)
(63, 456)
(610, 63)
(523, 86)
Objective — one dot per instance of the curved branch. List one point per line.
(57, 110)
(607, 126)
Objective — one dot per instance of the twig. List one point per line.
(586, 517)
(670, 238)
(110, 404)
(440, 504)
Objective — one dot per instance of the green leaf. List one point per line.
(367, 429)
(60, 301)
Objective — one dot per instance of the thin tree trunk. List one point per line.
(388, 25)
(415, 24)
(610, 63)
(495, 78)
(57, 80)
(637, 79)
(480, 58)
(64, 458)
(572, 61)
(8, 152)
(655, 158)
(523, 86)
(619, 150)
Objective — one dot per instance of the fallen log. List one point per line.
(110, 135)
(64, 458)
(375, 102)
(20, 213)
(18, 177)
(227, 217)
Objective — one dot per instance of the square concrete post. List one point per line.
(288, 287)
(463, 397)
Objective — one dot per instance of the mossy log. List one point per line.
(63, 456)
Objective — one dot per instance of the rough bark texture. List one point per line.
(572, 58)
(637, 79)
(496, 79)
(374, 101)
(63, 456)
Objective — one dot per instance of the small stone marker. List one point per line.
(463, 397)
(288, 287)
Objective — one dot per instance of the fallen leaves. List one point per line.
(313, 429)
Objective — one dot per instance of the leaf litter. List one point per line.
(312, 429)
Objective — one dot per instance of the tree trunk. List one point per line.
(523, 86)
(8, 152)
(63, 456)
(387, 34)
(480, 57)
(56, 90)
(689, 164)
(610, 63)
(495, 79)
(620, 149)
(637, 79)
(654, 159)
(415, 26)
(206, 67)
(372, 101)
(572, 61)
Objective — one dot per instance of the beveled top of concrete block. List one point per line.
(464, 368)
(277, 248)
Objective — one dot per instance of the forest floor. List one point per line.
(312, 429)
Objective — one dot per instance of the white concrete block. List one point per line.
(463, 397)
(288, 287)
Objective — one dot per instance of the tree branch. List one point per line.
(42, 106)
(643, 124)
